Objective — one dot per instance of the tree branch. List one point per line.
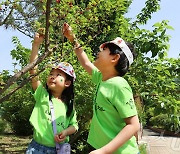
(37, 61)
(23, 71)
(48, 6)
(23, 32)
(20, 86)
(7, 17)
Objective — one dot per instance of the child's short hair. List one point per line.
(123, 64)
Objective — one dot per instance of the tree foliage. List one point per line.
(20, 15)
(154, 80)
(156, 83)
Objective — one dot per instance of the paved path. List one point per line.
(160, 144)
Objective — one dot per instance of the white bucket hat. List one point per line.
(66, 68)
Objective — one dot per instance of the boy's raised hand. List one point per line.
(68, 33)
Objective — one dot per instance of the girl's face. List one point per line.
(56, 80)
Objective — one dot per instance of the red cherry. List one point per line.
(58, 1)
(70, 4)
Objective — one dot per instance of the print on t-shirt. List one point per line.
(131, 103)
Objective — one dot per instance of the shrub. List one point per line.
(2, 126)
(164, 121)
(143, 148)
(17, 111)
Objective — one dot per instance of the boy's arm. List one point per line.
(82, 56)
(132, 126)
(38, 39)
(84, 60)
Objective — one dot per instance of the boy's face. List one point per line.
(57, 80)
(103, 59)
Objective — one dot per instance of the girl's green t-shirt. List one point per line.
(113, 102)
(41, 118)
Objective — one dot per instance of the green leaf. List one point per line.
(167, 72)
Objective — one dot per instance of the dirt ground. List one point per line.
(10, 143)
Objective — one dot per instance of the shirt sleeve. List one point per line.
(124, 101)
(96, 76)
(38, 92)
(73, 120)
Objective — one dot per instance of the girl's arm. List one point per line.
(38, 39)
(132, 126)
(82, 56)
(62, 136)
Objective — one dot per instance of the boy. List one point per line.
(115, 119)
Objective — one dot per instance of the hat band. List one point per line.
(121, 44)
(126, 51)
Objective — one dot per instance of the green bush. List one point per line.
(164, 121)
(141, 113)
(17, 111)
(143, 148)
(2, 126)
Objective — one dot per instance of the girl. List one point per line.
(59, 90)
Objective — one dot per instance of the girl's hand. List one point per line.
(68, 33)
(99, 151)
(60, 137)
(38, 38)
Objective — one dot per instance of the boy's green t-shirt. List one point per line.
(113, 102)
(41, 118)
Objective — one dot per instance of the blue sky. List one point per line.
(169, 11)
